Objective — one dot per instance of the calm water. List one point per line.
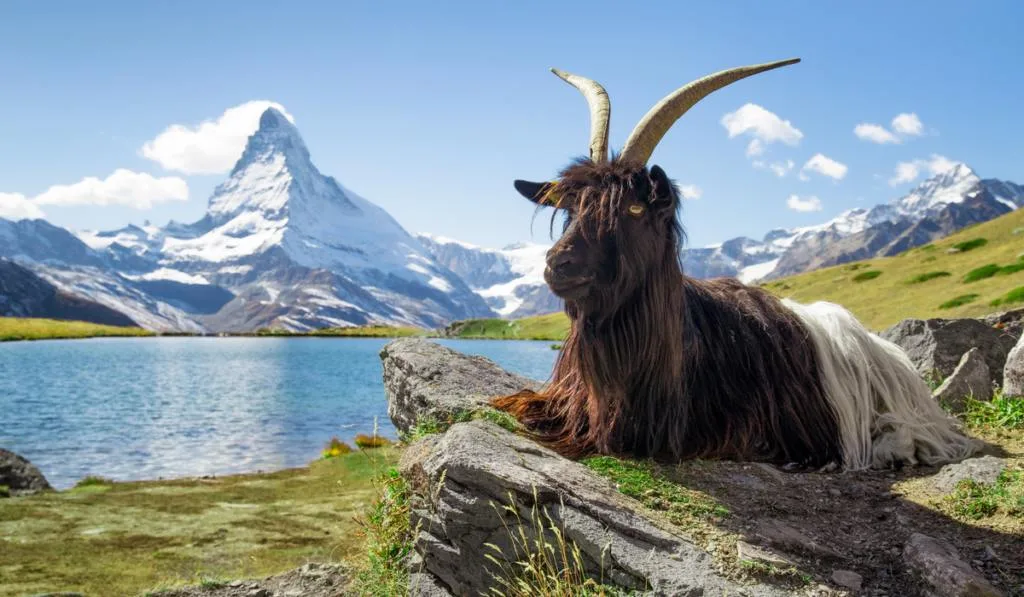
(170, 407)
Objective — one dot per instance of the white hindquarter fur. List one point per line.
(885, 411)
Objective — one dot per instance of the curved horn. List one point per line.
(653, 126)
(600, 112)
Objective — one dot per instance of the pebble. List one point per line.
(848, 579)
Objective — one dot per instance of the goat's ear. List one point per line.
(538, 192)
(664, 191)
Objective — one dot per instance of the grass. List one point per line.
(1002, 411)
(541, 327)
(973, 501)
(980, 273)
(868, 275)
(431, 425)
(125, 538)
(970, 245)
(372, 331)
(958, 301)
(920, 278)
(541, 561)
(29, 328)
(1013, 268)
(388, 539)
(1014, 296)
(889, 298)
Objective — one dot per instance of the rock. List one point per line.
(785, 537)
(1013, 375)
(847, 579)
(755, 553)
(20, 476)
(425, 379)
(476, 468)
(310, 580)
(935, 346)
(981, 470)
(940, 567)
(971, 378)
(1009, 323)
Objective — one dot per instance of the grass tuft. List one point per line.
(1002, 411)
(93, 480)
(5, 491)
(542, 561)
(981, 273)
(868, 275)
(918, 279)
(1014, 296)
(431, 425)
(973, 501)
(963, 299)
(969, 245)
(389, 539)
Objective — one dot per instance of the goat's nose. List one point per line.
(559, 259)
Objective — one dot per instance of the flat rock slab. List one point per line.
(424, 379)
(985, 469)
(469, 475)
(935, 346)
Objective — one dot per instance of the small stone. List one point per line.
(985, 470)
(847, 579)
(835, 492)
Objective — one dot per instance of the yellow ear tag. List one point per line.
(551, 196)
(636, 209)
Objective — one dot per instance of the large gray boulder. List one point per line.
(970, 379)
(940, 568)
(424, 379)
(936, 345)
(20, 476)
(1013, 374)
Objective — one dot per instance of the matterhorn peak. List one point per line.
(275, 135)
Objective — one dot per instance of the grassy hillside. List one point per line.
(541, 327)
(373, 331)
(18, 328)
(976, 271)
(104, 538)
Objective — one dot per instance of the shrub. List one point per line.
(868, 275)
(371, 441)
(980, 273)
(1013, 268)
(1014, 296)
(336, 448)
(5, 491)
(855, 266)
(963, 299)
(93, 480)
(928, 276)
(968, 245)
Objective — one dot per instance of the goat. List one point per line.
(658, 364)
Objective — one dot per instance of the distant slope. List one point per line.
(16, 328)
(890, 297)
(24, 294)
(877, 300)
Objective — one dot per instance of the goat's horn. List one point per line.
(653, 126)
(600, 112)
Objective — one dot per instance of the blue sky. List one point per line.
(432, 109)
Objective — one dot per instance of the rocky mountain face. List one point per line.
(511, 279)
(936, 208)
(24, 294)
(281, 245)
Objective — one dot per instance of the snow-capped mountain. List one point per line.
(281, 245)
(511, 279)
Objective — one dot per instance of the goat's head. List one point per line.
(620, 216)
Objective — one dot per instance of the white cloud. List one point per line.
(909, 171)
(690, 191)
(124, 187)
(755, 147)
(15, 206)
(763, 125)
(781, 168)
(213, 146)
(824, 165)
(874, 133)
(907, 124)
(809, 204)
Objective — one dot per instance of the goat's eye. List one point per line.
(636, 209)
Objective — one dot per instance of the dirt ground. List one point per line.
(823, 522)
